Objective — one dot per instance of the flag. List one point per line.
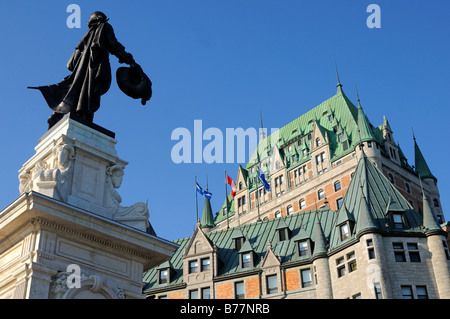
(263, 179)
(203, 192)
(233, 186)
(207, 194)
(200, 190)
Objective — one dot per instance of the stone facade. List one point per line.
(379, 261)
(67, 236)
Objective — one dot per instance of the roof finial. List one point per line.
(339, 85)
(414, 137)
(261, 134)
(357, 96)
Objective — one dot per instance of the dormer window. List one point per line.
(163, 276)
(238, 242)
(304, 248)
(397, 218)
(164, 273)
(246, 260)
(344, 231)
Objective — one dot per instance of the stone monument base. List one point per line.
(67, 235)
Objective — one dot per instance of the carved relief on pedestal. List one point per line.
(63, 286)
(136, 215)
(50, 175)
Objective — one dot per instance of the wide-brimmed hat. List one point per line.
(135, 83)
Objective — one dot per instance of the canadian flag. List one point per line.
(233, 186)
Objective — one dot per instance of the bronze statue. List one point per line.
(80, 92)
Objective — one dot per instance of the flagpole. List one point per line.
(257, 198)
(196, 201)
(226, 198)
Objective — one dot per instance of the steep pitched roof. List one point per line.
(207, 215)
(257, 237)
(337, 111)
(421, 165)
(365, 132)
(369, 199)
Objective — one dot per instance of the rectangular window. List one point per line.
(193, 266)
(282, 234)
(370, 250)
(306, 278)
(302, 204)
(377, 288)
(341, 267)
(163, 276)
(341, 271)
(303, 249)
(290, 210)
(371, 253)
(398, 221)
(193, 294)
(413, 251)
(407, 292)
(272, 284)
(206, 293)
(345, 233)
(337, 186)
(352, 266)
(246, 260)
(339, 202)
(421, 292)
(399, 252)
(205, 264)
(239, 292)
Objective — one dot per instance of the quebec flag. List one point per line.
(262, 178)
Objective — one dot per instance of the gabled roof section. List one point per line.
(338, 112)
(227, 209)
(370, 198)
(257, 235)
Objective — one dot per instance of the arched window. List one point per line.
(277, 214)
(337, 186)
(302, 203)
(321, 194)
(290, 210)
(318, 142)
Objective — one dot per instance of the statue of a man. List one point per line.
(80, 92)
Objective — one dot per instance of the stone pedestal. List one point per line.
(67, 236)
(78, 165)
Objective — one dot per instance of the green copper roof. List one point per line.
(207, 216)
(370, 199)
(368, 203)
(421, 165)
(257, 236)
(365, 130)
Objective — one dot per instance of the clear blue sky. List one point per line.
(223, 62)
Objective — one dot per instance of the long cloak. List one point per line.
(91, 73)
